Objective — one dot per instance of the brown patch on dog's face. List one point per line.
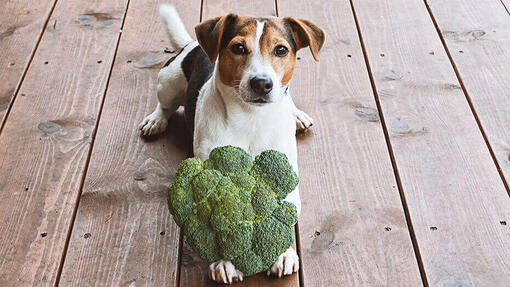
(231, 65)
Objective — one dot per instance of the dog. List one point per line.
(234, 85)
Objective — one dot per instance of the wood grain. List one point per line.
(478, 39)
(213, 8)
(123, 233)
(353, 230)
(46, 140)
(21, 24)
(454, 193)
(194, 271)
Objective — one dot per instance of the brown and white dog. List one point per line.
(234, 86)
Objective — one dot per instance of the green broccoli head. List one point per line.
(231, 207)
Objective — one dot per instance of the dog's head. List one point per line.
(256, 56)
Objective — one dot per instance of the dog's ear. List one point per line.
(305, 33)
(209, 34)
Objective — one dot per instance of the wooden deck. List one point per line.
(404, 177)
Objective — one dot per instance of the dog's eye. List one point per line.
(281, 51)
(238, 49)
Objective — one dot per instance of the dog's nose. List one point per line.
(261, 85)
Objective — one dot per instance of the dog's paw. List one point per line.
(286, 264)
(153, 124)
(303, 121)
(223, 271)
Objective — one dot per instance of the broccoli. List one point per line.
(232, 207)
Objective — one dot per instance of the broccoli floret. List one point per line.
(190, 167)
(243, 180)
(249, 262)
(201, 238)
(203, 210)
(264, 201)
(286, 212)
(273, 169)
(204, 183)
(231, 207)
(230, 159)
(236, 241)
(274, 238)
(180, 201)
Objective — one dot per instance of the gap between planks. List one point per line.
(391, 154)
(87, 162)
(202, 9)
(181, 242)
(301, 278)
(25, 70)
(507, 8)
(466, 94)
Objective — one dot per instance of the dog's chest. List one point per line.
(267, 128)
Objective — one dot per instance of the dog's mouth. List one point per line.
(258, 102)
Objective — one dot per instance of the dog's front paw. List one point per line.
(223, 271)
(303, 121)
(286, 264)
(153, 124)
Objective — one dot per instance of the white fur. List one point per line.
(223, 118)
(286, 264)
(303, 120)
(171, 91)
(225, 272)
(176, 29)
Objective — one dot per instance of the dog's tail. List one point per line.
(179, 37)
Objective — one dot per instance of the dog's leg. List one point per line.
(171, 86)
(303, 121)
(223, 271)
(288, 262)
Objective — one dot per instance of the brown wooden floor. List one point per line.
(404, 176)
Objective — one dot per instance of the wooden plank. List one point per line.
(132, 239)
(478, 39)
(46, 140)
(216, 8)
(353, 230)
(194, 271)
(454, 194)
(21, 24)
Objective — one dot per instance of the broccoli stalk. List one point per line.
(232, 207)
